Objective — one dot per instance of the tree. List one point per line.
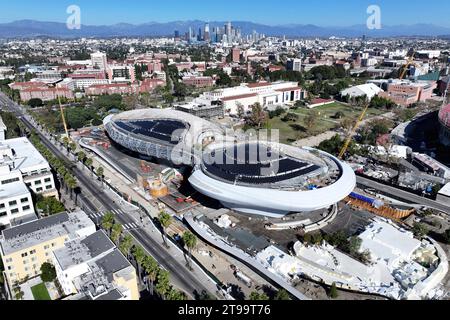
(240, 110)
(81, 156)
(176, 295)
(88, 162)
(190, 241)
(108, 221)
(48, 272)
(116, 232)
(339, 115)
(72, 184)
(258, 116)
(100, 173)
(152, 270)
(139, 255)
(126, 244)
(163, 283)
(49, 205)
(35, 102)
(333, 291)
(282, 294)
(256, 296)
(72, 146)
(420, 230)
(165, 220)
(311, 120)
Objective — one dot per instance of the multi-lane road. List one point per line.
(400, 194)
(96, 200)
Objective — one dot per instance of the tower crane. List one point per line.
(409, 62)
(61, 108)
(352, 132)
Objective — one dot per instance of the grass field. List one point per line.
(293, 131)
(40, 292)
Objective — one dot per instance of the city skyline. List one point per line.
(300, 12)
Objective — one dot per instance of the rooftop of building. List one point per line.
(14, 189)
(104, 261)
(85, 250)
(26, 156)
(32, 233)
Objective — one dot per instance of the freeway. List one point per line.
(398, 193)
(185, 279)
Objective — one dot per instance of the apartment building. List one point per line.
(121, 74)
(26, 247)
(16, 204)
(406, 93)
(198, 82)
(21, 161)
(93, 268)
(99, 60)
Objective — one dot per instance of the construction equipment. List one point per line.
(63, 116)
(350, 136)
(409, 62)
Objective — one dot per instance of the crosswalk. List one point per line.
(99, 215)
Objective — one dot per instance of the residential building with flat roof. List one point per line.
(26, 247)
(92, 267)
(21, 161)
(15, 203)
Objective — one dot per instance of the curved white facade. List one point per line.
(274, 202)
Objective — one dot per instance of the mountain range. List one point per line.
(33, 28)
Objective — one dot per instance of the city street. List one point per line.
(192, 282)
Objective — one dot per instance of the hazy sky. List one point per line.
(271, 12)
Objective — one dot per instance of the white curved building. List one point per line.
(254, 177)
(289, 180)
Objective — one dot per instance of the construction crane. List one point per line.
(63, 118)
(409, 62)
(356, 126)
(62, 115)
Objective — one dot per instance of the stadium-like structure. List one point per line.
(254, 177)
(444, 119)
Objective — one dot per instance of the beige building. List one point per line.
(26, 247)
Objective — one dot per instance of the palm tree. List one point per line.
(88, 162)
(163, 283)
(152, 269)
(190, 241)
(176, 295)
(72, 184)
(256, 296)
(165, 220)
(282, 294)
(116, 232)
(72, 146)
(126, 244)
(139, 256)
(108, 221)
(100, 173)
(81, 156)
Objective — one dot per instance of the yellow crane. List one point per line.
(352, 132)
(409, 62)
(62, 115)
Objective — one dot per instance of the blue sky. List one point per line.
(271, 12)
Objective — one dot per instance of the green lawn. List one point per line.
(40, 292)
(292, 131)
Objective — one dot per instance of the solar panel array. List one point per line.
(250, 166)
(161, 129)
